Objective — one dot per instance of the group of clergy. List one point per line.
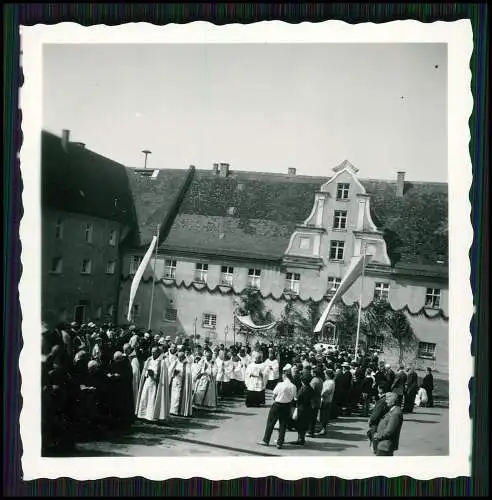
(173, 380)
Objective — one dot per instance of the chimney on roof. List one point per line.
(146, 152)
(80, 144)
(400, 184)
(291, 171)
(215, 168)
(224, 169)
(65, 138)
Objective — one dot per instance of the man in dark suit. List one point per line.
(398, 386)
(378, 412)
(387, 437)
(428, 385)
(410, 391)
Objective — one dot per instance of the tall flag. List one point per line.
(353, 272)
(138, 276)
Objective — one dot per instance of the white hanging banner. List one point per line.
(353, 272)
(138, 276)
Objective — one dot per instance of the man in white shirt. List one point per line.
(283, 395)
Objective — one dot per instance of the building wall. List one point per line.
(62, 292)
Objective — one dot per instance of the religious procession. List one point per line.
(101, 379)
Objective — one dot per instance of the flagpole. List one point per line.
(360, 301)
(153, 279)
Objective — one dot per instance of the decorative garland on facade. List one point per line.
(229, 290)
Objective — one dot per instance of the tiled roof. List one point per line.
(244, 214)
(155, 200)
(80, 181)
(415, 226)
(216, 235)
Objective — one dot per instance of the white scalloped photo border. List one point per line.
(458, 37)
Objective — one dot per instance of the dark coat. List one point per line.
(378, 412)
(388, 431)
(305, 398)
(398, 385)
(412, 382)
(428, 382)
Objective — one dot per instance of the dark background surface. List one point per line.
(223, 13)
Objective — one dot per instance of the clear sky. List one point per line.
(263, 107)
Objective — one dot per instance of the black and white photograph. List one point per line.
(248, 250)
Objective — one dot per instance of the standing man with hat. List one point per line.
(283, 395)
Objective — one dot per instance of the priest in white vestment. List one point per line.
(205, 393)
(181, 387)
(147, 393)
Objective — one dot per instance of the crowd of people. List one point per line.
(97, 379)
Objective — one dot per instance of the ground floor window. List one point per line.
(209, 320)
(171, 314)
(80, 312)
(427, 350)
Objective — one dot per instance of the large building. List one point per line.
(292, 238)
(87, 212)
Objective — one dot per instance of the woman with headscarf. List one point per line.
(255, 382)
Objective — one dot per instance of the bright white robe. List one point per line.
(237, 371)
(162, 400)
(274, 369)
(255, 377)
(221, 373)
(147, 391)
(228, 370)
(181, 389)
